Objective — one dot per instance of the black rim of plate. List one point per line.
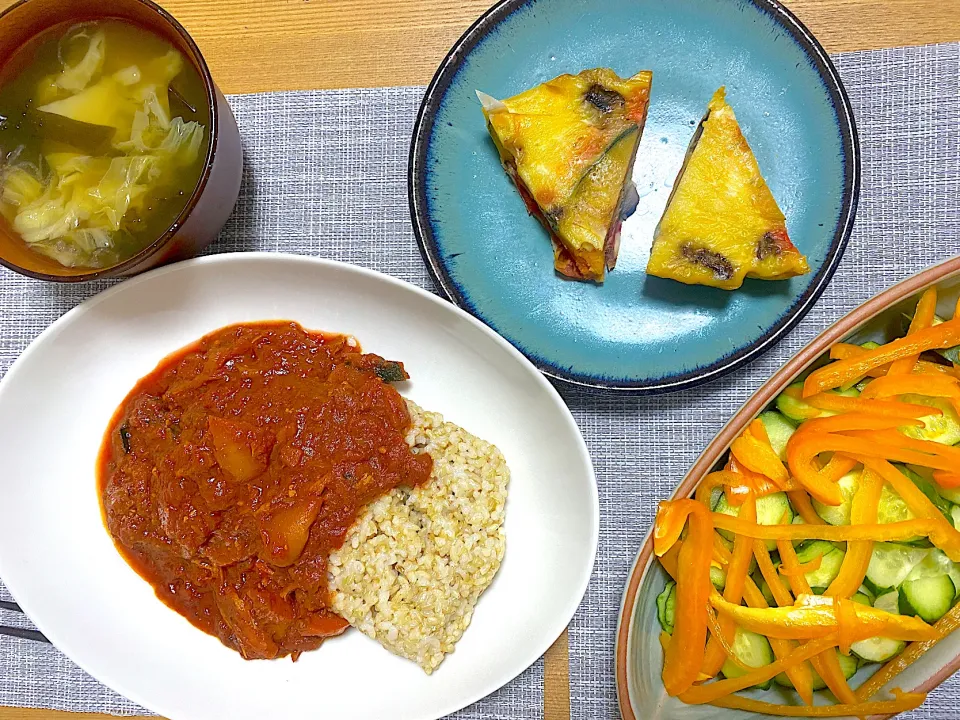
(417, 193)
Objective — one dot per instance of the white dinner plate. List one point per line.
(61, 566)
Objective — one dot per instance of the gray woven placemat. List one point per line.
(326, 175)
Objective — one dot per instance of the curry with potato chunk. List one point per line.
(229, 474)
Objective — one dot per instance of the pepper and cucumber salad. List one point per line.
(829, 539)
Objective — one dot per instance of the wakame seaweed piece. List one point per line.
(391, 371)
(125, 437)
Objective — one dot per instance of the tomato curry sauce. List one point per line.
(229, 474)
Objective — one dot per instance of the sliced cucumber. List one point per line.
(848, 664)
(892, 508)
(798, 410)
(752, 650)
(728, 544)
(667, 606)
(793, 408)
(840, 514)
(768, 594)
(891, 563)
(951, 494)
(779, 430)
(881, 649)
(797, 520)
(937, 563)
(927, 597)
(943, 429)
(861, 598)
(877, 649)
(955, 516)
(772, 509)
(718, 577)
(928, 488)
(831, 558)
(888, 602)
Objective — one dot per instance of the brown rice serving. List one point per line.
(414, 564)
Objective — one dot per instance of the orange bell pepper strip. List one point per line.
(946, 479)
(737, 570)
(710, 482)
(826, 664)
(933, 386)
(887, 408)
(758, 456)
(717, 636)
(863, 511)
(801, 453)
(902, 702)
(800, 675)
(737, 484)
(797, 394)
(669, 560)
(817, 616)
(769, 573)
(801, 503)
(838, 466)
(669, 524)
(720, 552)
(888, 444)
(944, 335)
(846, 620)
(884, 532)
(684, 656)
(762, 485)
(758, 430)
(922, 318)
(802, 568)
(852, 421)
(908, 443)
(708, 693)
(943, 534)
(802, 450)
(944, 626)
(925, 367)
(843, 351)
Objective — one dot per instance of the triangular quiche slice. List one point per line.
(722, 223)
(569, 146)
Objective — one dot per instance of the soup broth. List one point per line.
(104, 131)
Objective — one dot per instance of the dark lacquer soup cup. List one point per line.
(211, 201)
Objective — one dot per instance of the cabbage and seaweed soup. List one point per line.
(104, 130)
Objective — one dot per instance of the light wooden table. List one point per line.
(258, 45)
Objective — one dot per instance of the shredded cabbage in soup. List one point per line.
(81, 207)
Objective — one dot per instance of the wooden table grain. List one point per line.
(261, 45)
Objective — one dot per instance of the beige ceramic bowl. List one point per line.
(639, 658)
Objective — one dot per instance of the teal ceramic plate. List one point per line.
(634, 332)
